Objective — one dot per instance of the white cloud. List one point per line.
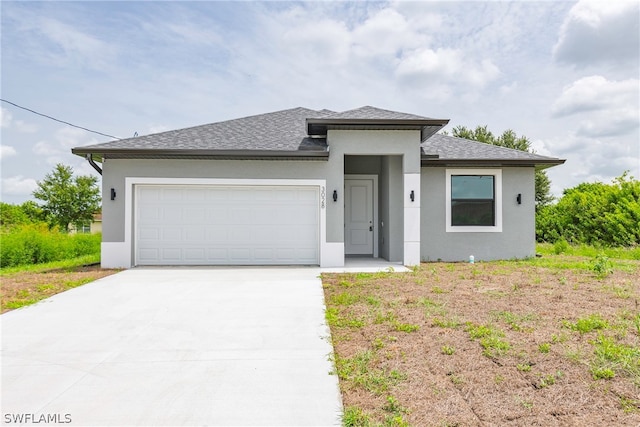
(597, 31)
(597, 93)
(620, 122)
(605, 107)
(18, 185)
(64, 139)
(322, 40)
(7, 121)
(387, 33)
(446, 66)
(586, 158)
(5, 118)
(7, 151)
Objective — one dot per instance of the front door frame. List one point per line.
(373, 178)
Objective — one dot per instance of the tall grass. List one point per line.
(36, 244)
(561, 247)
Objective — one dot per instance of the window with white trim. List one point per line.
(474, 200)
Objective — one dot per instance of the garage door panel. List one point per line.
(147, 233)
(149, 213)
(217, 194)
(240, 255)
(211, 225)
(194, 254)
(172, 195)
(171, 234)
(217, 255)
(171, 254)
(195, 195)
(263, 255)
(171, 213)
(220, 233)
(308, 195)
(148, 254)
(195, 215)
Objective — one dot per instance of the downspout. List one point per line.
(92, 163)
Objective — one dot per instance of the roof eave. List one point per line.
(430, 161)
(99, 155)
(427, 127)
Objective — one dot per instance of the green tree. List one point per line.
(27, 213)
(68, 199)
(509, 139)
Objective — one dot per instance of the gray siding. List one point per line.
(517, 239)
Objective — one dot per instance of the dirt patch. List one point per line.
(487, 344)
(25, 288)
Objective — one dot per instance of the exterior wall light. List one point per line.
(335, 195)
(113, 194)
(412, 196)
(519, 198)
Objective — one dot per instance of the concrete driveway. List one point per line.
(174, 346)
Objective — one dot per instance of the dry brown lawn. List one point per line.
(28, 287)
(545, 342)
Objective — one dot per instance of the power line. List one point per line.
(58, 120)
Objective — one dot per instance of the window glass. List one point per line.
(472, 200)
(472, 186)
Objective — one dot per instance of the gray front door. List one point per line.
(358, 212)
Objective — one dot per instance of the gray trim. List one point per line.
(427, 161)
(199, 154)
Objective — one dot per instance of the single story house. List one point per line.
(310, 187)
(93, 227)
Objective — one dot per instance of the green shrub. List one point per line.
(560, 246)
(602, 265)
(594, 214)
(36, 244)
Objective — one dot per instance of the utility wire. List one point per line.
(58, 120)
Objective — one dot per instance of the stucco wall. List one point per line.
(115, 171)
(517, 239)
(393, 154)
(404, 144)
(392, 224)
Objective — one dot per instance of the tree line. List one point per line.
(64, 199)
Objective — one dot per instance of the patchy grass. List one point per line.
(22, 286)
(546, 341)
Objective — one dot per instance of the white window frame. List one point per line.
(497, 177)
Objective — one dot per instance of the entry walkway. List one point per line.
(367, 265)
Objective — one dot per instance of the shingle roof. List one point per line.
(449, 149)
(289, 133)
(368, 117)
(279, 131)
(372, 113)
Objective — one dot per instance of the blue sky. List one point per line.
(564, 74)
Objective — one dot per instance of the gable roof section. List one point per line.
(447, 150)
(278, 134)
(368, 117)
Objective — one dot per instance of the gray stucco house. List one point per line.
(301, 186)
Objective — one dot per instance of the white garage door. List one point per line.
(226, 225)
